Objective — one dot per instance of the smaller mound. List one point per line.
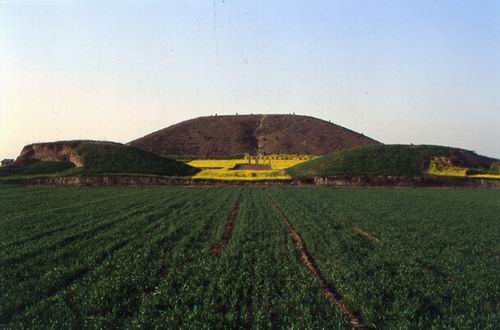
(386, 160)
(119, 158)
(94, 157)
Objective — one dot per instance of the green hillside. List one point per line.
(36, 167)
(119, 158)
(386, 160)
(97, 158)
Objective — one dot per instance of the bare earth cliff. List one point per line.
(63, 151)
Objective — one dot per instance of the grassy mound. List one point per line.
(386, 160)
(119, 158)
(94, 158)
(36, 167)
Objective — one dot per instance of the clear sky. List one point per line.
(398, 71)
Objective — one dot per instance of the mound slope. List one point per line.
(91, 157)
(226, 136)
(387, 160)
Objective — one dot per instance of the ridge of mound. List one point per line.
(388, 160)
(93, 157)
(236, 135)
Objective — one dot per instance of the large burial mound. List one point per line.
(393, 160)
(93, 157)
(227, 136)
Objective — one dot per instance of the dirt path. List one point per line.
(363, 232)
(331, 294)
(228, 229)
(259, 138)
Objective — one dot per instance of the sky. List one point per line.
(422, 72)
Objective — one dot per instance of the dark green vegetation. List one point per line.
(393, 160)
(119, 158)
(36, 167)
(123, 257)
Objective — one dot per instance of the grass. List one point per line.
(36, 167)
(384, 160)
(140, 257)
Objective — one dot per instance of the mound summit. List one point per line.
(260, 134)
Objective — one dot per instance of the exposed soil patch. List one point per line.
(53, 151)
(366, 234)
(400, 181)
(253, 167)
(336, 181)
(228, 229)
(137, 180)
(331, 294)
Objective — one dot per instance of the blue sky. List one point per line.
(398, 71)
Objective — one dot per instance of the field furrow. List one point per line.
(228, 229)
(330, 292)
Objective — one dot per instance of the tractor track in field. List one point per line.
(217, 248)
(366, 234)
(331, 294)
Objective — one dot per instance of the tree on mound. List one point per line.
(386, 160)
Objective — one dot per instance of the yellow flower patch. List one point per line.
(223, 169)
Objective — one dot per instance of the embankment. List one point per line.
(402, 181)
(336, 181)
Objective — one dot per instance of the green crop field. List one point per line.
(299, 258)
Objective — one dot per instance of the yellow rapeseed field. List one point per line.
(484, 176)
(222, 169)
(436, 168)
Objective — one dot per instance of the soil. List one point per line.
(338, 181)
(226, 136)
(253, 167)
(65, 152)
(228, 229)
(401, 181)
